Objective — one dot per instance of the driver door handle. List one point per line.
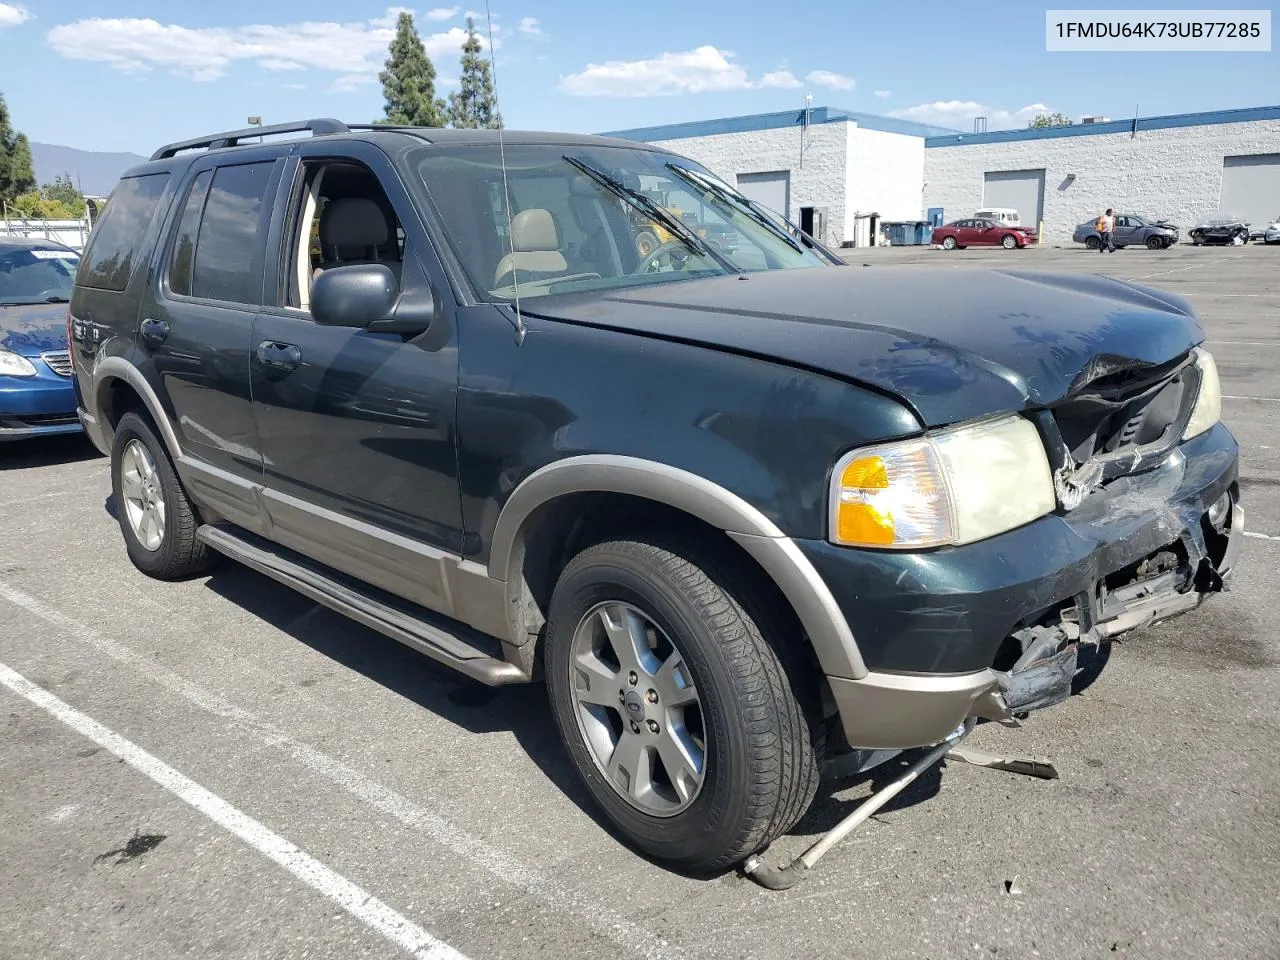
(279, 356)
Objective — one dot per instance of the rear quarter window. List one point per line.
(116, 244)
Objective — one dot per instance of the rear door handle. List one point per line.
(279, 356)
(154, 332)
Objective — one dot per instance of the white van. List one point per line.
(1001, 216)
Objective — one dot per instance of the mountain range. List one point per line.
(94, 173)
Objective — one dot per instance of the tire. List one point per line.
(1155, 243)
(760, 749)
(1092, 243)
(1009, 241)
(948, 243)
(646, 243)
(175, 553)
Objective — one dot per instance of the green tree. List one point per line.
(16, 174)
(473, 104)
(1048, 120)
(64, 191)
(409, 80)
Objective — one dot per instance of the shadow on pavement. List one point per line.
(46, 451)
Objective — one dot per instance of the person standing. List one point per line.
(1106, 226)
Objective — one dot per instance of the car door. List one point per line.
(1125, 231)
(963, 232)
(196, 323)
(358, 427)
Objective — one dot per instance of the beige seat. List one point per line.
(537, 247)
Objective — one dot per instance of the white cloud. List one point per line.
(779, 80)
(354, 50)
(293, 86)
(442, 13)
(530, 25)
(883, 94)
(959, 114)
(11, 15)
(352, 81)
(694, 71)
(825, 78)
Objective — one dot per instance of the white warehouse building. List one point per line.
(1178, 168)
(834, 172)
(840, 174)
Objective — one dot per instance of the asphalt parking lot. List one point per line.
(298, 786)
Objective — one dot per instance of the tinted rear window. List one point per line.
(184, 247)
(115, 246)
(228, 263)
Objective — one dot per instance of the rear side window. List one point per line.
(230, 242)
(184, 245)
(115, 246)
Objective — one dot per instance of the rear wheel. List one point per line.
(948, 243)
(156, 519)
(1009, 241)
(1093, 243)
(676, 710)
(646, 243)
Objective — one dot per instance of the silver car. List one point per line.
(1130, 229)
(1272, 233)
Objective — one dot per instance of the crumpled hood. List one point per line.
(952, 344)
(34, 329)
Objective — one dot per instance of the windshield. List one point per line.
(30, 275)
(595, 218)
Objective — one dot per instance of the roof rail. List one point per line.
(218, 141)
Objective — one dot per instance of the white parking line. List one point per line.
(629, 936)
(1260, 536)
(1249, 343)
(358, 902)
(1192, 266)
(1230, 396)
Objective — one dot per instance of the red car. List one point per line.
(981, 233)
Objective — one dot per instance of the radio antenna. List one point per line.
(506, 188)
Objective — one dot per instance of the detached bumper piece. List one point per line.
(1169, 582)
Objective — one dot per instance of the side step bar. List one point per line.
(437, 638)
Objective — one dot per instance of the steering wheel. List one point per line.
(653, 262)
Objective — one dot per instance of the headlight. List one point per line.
(1208, 408)
(12, 365)
(951, 487)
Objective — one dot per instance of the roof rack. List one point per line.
(218, 141)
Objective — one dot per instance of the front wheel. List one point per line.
(1009, 241)
(675, 708)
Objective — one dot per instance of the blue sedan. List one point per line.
(37, 396)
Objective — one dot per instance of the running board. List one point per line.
(453, 644)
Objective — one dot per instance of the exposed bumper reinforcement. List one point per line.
(899, 711)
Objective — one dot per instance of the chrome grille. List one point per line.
(59, 362)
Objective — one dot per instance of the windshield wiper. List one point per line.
(736, 202)
(653, 210)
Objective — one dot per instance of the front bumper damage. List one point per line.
(1172, 581)
(1144, 548)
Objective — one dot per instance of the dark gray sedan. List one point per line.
(1131, 229)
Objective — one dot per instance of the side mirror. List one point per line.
(354, 296)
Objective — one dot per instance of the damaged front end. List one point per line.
(1112, 428)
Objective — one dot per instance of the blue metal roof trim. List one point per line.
(1243, 115)
(776, 121)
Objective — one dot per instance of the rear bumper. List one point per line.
(991, 629)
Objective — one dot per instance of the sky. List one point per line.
(129, 75)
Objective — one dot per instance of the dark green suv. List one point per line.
(738, 503)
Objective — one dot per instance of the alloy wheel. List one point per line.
(637, 709)
(144, 505)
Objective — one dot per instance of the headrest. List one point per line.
(533, 231)
(353, 222)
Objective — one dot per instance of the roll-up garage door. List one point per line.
(772, 190)
(1251, 188)
(1021, 190)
